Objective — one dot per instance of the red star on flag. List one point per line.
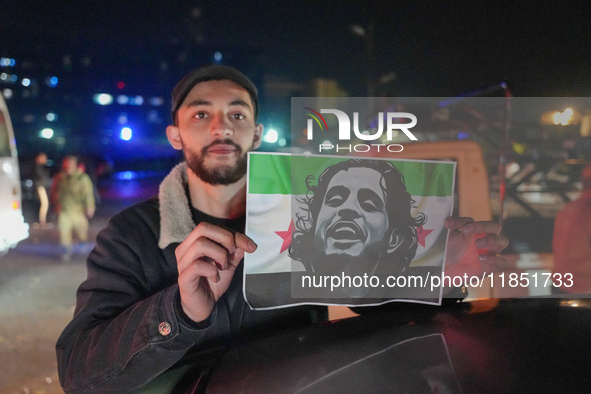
(422, 234)
(286, 236)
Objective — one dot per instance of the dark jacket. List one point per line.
(116, 339)
(41, 176)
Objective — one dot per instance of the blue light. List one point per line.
(462, 135)
(53, 82)
(217, 56)
(122, 99)
(156, 101)
(126, 175)
(126, 134)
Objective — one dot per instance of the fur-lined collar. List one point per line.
(176, 221)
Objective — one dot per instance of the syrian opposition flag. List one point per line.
(276, 189)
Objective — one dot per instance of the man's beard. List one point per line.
(218, 175)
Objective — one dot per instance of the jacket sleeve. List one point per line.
(54, 191)
(114, 340)
(88, 193)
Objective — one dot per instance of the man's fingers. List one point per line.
(481, 227)
(494, 243)
(235, 259)
(245, 243)
(453, 223)
(469, 226)
(227, 238)
(215, 233)
(190, 277)
(496, 262)
(202, 249)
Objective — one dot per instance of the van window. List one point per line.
(5, 150)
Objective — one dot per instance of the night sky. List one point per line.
(436, 48)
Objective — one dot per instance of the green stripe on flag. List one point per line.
(276, 174)
(427, 179)
(269, 174)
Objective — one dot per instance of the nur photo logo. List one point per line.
(393, 121)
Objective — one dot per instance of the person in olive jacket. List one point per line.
(72, 195)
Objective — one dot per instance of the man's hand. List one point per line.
(480, 239)
(206, 262)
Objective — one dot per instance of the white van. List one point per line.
(13, 228)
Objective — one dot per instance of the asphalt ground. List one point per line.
(38, 290)
(37, 299)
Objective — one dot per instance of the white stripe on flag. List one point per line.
(270, 214)
(267, 214)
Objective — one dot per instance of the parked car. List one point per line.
(487, 346)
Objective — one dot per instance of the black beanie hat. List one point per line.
(212, 73)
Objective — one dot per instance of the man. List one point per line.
(572, 243)
(359, 221)
(164, 282)
(73, 199)
(40, 183)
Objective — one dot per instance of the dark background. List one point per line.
(142, 48)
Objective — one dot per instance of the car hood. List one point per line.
(516, 345)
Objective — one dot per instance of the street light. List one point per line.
(564, 117)
(271, 136)
(47, 133)
(567, 117)
(126, 134)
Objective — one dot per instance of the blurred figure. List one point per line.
(572, 242)
(569, 149)
(40, 182)
(87, 165)
(73, 198)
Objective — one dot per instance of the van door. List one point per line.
(13, 228)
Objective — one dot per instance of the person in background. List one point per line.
(73, 199)
(572, 243)
(40, 182)
(87, 165)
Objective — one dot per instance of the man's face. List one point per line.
(353, 214)
(69, 166)
(216, 128)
